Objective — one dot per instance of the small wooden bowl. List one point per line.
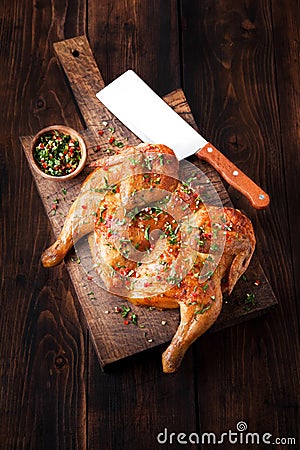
(74, 135)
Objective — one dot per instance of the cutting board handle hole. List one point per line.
(75, 53)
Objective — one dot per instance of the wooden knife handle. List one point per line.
(234, 176)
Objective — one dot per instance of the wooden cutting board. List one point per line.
(113, 340)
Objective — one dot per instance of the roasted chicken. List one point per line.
(154, 241)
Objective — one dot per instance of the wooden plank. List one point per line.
(137, 34)
(286, 48)
(42, 360)
(231, 86)
(130, 406)
(112, 340)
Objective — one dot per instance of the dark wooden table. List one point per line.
(238, 63)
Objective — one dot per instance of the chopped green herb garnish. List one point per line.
(57, 154)
(133, 161)
(147, 233)
(134, 319)
(202, 310)
(125, 311)
(101, 219)
(161, 159)
(118, 144)
(205, 287)
(77, 261)
(249, 302)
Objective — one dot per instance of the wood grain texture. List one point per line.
(286, 47)
(139, 35)
(234, 82)
(42, 370)
(239, 66)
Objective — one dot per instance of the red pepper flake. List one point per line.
(257, 282)
(98, 147)
(100, 132)
(83, 206)
(89, 278)
(111, 140)
(54, 207)
(126, 322)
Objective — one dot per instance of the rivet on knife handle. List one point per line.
(234, 176)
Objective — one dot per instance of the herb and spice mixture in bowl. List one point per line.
(58, 153)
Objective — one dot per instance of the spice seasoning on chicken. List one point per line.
(199, 292)
(57, 154)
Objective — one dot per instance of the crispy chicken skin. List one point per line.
(125, 164)
(153, 244)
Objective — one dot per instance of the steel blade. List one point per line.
(138, 107)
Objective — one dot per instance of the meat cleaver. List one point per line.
(138, 107)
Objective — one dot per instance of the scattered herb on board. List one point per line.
(54, 207)
(118, 144)
(127, 314)
(249, 302)
(76, 260)
(57, 154)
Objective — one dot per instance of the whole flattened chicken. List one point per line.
(160, 262)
